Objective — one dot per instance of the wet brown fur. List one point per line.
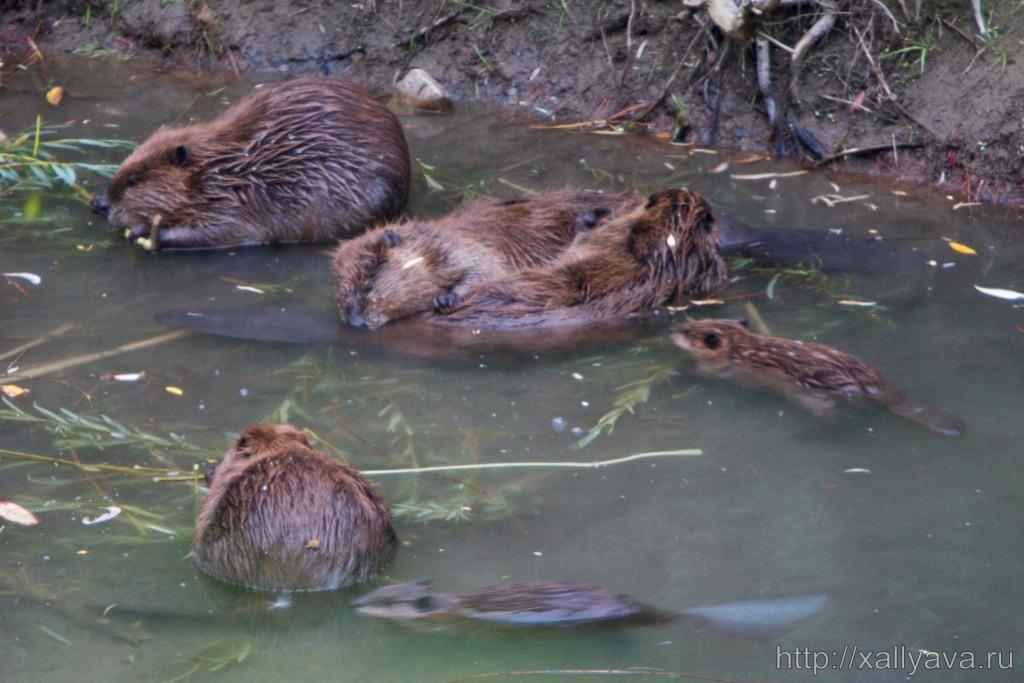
(534, 603)
(813, 375)
(661, 252)
(281, 515)
(307, 160)
(402, 269)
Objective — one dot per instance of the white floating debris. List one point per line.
(851, 302)
(857, 470)
(247, 288)
(129, 376)
(112, 511)
(1007, 294)
(577, 375)
(30, 277)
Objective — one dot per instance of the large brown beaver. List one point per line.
(407, 268)
(281, 515)
(812, 375)
(307, 160)
(572, 603)
(663, 251)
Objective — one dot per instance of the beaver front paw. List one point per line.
(445, 301)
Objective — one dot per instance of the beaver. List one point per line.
(663, 251)
(811, 374)
(525, 604)
(281, 515)
(572, 603)
(401, 269)
(307, 160)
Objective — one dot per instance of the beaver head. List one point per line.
(158, 182)
(711, 340)
(677, 231)
(412, 600)
(388, 278)
(253, 443)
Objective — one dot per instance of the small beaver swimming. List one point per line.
(812, 375)
(524, 604)
(307, 160)
(402, 269)
(660, 252)
(281, 515)
(575, 603)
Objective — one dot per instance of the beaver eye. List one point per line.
(132, 181)
(368, 288)
(712, 340)
(425, 604)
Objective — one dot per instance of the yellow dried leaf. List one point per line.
(962, 248)
(13, 390)
(174, 390)
(54, 95)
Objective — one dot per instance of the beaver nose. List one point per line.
(208, 474)
(100, 205)
(356, 320)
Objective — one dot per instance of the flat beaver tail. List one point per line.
(936, 419)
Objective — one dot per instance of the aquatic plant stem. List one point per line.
(17, 350)
(56, 366)
(537, 464)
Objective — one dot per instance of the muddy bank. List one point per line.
(951, 100)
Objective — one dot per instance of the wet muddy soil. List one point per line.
(949, 100)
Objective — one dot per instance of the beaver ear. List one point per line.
(179, 156)
(744, 322)
(712, 340)
(651, 201)
(393, 238)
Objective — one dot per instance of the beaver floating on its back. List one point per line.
(281, 515)
(811, 374)
(402, 269)
(661, 251)
(307, 160)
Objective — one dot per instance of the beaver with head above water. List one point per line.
(281, 515)
(813, 375)
(402, 269)
(658, 252)
(308, 160)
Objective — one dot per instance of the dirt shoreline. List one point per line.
(656, 66)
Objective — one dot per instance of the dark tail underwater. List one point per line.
(819, 249)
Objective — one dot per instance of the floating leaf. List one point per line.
(13, 390)
(54, 95)
(174, 390)
(112, 511)
(852, 302)
(1007, 294)
(31, 277)
(13, 512)
(961, 248)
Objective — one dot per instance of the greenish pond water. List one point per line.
(913, 537)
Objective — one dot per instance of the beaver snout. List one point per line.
(100, 205)
(356, 320)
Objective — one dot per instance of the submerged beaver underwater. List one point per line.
(661, 252)
(307, 160)
(281, 515)
(812, 375)
(402, 269)
(572, 603)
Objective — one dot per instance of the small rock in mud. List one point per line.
(420, 90)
